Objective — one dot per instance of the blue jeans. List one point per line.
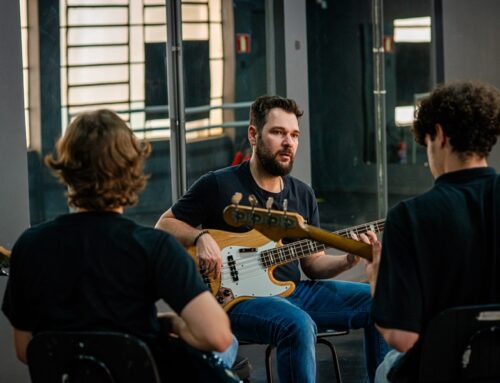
(383, 369)
(229, 355)
(291, 324)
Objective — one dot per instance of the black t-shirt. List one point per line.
(97, 271)
(204, 202)
(437, 251)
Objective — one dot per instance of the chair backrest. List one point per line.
(97, 357)
(462, 344)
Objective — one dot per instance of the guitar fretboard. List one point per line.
(299, 249)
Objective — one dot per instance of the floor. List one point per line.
(349, 349)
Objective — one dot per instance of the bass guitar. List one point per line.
(249, 259)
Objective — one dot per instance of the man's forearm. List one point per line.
(324, 266)
(183, 232)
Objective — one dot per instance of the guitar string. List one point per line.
(289, 251)
(280, 255)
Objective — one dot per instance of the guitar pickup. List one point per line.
(248, 250)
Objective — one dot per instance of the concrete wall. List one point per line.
(471, 48)
(14, 210)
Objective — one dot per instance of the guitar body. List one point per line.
(243, 275)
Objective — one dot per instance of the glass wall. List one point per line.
(343, 133)
(111, 54)
(342, 111)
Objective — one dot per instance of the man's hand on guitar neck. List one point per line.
(208, 253)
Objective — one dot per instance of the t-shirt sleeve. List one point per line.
(16, 304)
(176, 276)
(397, 302)
(193, 207)
(314, 214)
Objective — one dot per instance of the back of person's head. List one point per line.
(468, 112)
(263, 104)
(101, 161)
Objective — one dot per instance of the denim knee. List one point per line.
(299, 329)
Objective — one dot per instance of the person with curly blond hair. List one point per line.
(95, 270)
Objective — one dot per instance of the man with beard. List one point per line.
(289, 323)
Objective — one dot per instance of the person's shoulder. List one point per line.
(151, 238)
(300, 187)
(229, 170)
(35, 236)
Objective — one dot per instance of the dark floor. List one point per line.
(349, 349)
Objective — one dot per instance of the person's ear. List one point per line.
(252, 135)
(440, 136)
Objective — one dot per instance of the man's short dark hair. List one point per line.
(101, 161)
(469, 113)
(263, 104)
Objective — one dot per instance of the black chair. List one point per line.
(97, 357)
(321, 338)
(462, 344)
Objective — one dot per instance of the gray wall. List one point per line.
(14, 190)
(471, 47)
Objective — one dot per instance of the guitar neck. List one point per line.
(302, 248)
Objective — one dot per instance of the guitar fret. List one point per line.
(304, 247)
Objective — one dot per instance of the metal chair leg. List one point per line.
(269, 368)
(336, 364)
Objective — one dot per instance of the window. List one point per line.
(112, 56)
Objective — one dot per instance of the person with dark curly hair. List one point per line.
(440, 249)
(95, 270)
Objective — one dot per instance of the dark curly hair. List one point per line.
(263, 104)
(469, 113)
(101, 162)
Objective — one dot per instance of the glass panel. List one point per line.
(86, 75)
(97, 55)
(97, 94)
(341, 112)
(102, 53)
(102, 15)
(208, 65)
(98, 35)
(409, 75)
(195, 12)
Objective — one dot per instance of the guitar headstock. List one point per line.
(274, 224)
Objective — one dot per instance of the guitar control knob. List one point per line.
(226, 293)
(220, 299)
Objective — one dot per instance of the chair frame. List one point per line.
(80, 352)
(321, 338)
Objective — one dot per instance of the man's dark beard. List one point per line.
(269, 162)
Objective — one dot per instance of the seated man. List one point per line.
(94, 270)
(289, 323)
(437, 248)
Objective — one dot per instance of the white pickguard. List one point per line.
(253, 279)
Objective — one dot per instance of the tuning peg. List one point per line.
(269, 203)
(252, 200)
(285, 205)
(236, 198)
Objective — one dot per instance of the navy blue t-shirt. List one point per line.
(204, 202)
(97, 271)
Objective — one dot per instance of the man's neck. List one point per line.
(454, 163)
(114, 210)
(263, 179)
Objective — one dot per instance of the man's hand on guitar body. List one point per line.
(209, 256)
